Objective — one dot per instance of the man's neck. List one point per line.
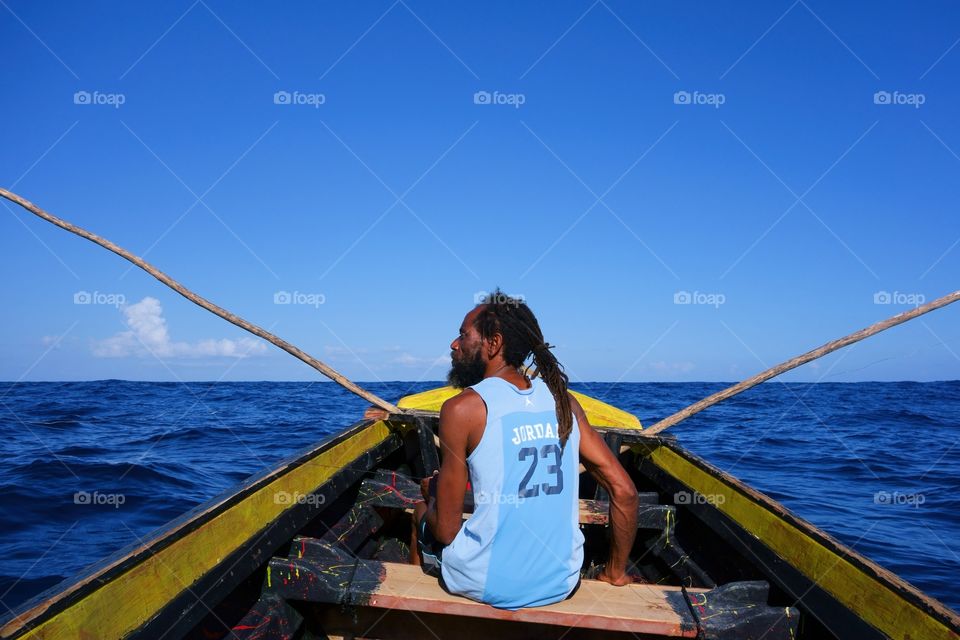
(510, 374)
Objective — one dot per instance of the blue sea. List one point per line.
(92, 467)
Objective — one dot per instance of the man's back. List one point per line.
(522, 546)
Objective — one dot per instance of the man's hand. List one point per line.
(618, 581)
(425, 486)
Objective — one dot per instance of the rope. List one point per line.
(203, 302)
(801, 359)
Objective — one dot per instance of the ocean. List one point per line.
(92, 467)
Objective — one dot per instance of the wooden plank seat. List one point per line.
(395, 490)
(649, 516)
(736, 610)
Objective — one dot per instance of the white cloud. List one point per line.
(51, 341)
(147, 334)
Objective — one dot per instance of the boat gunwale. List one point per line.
(898, 586)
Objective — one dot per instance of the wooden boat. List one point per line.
(316, 548)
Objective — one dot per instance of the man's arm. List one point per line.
(600, 461)
(459, 416)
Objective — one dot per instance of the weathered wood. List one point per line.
(341, 623)
(271, 618)
(793, 363)
(429, 456)
(389, 489)
(637, 608)
(649, 516)
(734, 611)
(203, 302)
(392, 489)
(353, 529)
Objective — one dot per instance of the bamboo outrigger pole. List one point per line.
(203, 302)
(799, 360)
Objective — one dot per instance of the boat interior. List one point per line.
(346, 574)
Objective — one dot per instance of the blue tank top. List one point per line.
(522, 547)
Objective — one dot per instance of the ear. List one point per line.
(494, 345)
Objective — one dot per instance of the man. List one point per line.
(519, 442)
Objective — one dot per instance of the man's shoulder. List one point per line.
(463, 404)
(462, 417)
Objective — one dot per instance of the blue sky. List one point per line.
(790, 169)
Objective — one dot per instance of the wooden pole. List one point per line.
(799, 360)
(203, 302)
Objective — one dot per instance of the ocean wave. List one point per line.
(79, 471)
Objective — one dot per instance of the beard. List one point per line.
(467, 372)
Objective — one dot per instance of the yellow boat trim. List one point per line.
(600, 414)
(867, 597)
(131, 599)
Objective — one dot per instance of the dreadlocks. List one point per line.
(522, 337)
